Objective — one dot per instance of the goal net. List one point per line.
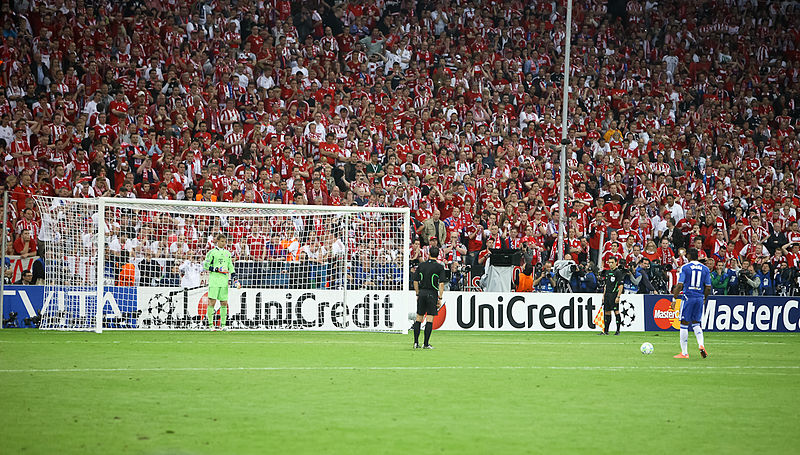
(138, 264)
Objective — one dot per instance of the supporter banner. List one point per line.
(310, 309)
(19, 265)
(531, 311)
(729, 313)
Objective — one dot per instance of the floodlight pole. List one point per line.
(3, 256)
(564, 141)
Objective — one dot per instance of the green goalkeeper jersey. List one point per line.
(218, 257)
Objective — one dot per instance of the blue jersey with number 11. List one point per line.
(695, 277)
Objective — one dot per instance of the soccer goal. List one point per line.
(113, 263)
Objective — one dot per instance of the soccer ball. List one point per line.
(646, 348)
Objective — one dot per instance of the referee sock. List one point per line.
(416, 332)
(698, 333)
(223, 315)
(428, 330)
(619, 321)
(607, 320)
(684, 339)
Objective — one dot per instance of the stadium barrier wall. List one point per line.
(311, 309)
(25, 301)
(723, 313)
(167, 308)
(388, 310)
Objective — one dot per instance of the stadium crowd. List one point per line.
(681, 122)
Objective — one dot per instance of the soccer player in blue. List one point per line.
(695, 282)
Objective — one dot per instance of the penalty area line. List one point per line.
(667, 368)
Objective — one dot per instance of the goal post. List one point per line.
(116, 263)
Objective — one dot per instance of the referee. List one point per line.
(613, 279)
(429, 286)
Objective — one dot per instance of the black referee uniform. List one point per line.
(613, 282)
(429, 276)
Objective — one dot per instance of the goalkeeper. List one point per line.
(220, 267)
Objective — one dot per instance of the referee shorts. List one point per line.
(427, 302)
(610, 303)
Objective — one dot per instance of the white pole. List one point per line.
(406, 250)
(101, 264)
(564, 141)
(601, 250)
(348, 222)
(3, 255)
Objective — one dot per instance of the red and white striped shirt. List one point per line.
(234, 137)
(229, 115)
(24, 224)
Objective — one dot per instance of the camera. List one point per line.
(743, 278)
(34, 321)
(458, 278)
(629, 268)
(11, 322)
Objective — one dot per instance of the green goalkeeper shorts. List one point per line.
(218, 293)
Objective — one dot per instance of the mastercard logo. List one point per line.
(665, 316)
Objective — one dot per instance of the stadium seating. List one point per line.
(681, 121)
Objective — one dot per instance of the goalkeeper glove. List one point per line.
(237, 284)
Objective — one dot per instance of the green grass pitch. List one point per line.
(312, 392)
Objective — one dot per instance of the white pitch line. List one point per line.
(380, 343)
(719, 369)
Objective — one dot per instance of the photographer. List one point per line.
(639, 278)
(172, 83)
(720, 279)
(586, 278)
(454, 254)
(531, 246)
(785, 280)
(544, 280)
(766, 280)
(748, 282)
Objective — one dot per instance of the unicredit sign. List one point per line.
(529, 311)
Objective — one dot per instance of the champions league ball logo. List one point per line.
(159, 309)
(627, 313)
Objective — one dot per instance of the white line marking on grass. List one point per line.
(717, 369)
(378, 343)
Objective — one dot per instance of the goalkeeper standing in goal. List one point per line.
(220, 267)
